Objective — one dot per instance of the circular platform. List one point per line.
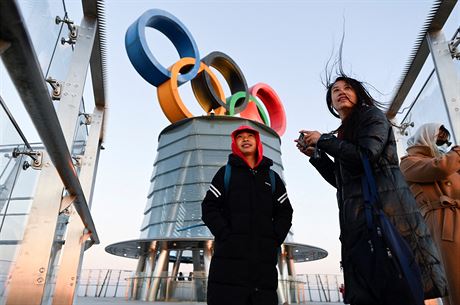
(137, 247)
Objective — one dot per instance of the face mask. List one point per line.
(445, 135)
(443, 148)
(443, 142)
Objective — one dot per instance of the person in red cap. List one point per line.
(250, 218)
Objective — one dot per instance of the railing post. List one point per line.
(118, 283)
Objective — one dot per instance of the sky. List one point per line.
(284, 43)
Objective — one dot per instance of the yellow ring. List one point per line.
(168, 93)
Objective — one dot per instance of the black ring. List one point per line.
(202, 87)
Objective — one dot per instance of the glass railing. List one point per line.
(45, 33)
(428, 107)
(107, 283)
(17, 185)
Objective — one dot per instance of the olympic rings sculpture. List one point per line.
(259, 102)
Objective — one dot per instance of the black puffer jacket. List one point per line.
(249, 223)
(374, 137)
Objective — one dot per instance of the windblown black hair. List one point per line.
(363, 96)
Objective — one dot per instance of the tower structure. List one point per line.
(189, 154)
(190, 151)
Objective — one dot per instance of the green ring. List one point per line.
(231, 101)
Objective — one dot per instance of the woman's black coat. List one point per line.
(374, 137)
(249, 223)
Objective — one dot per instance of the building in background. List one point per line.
(189, 154)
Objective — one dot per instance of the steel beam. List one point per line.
(435, 21)
(148, 270)
(74, 246)
(447, 77)
(171, 281)
(161, 263)
(23, 67)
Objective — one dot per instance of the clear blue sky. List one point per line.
(283, 43)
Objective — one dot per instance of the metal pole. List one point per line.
(97, 283)
(328, 289)
(142, 276)
(88, 282)
(337, 286)
(309, 289)
(103, 283)
(162, 259)
(280, 290)
(207, 255)
(164, 279)
(149, 268)
(447, 77)
(292, 275)
(108, 283)
(74, 247)
(118, 283)
(199, 274)
(15, 124)
(139, 278)
(318, 286)
(284, 273)
(171, 283)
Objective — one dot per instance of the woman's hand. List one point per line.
(311, 137)
(309, 151)
(306, 145)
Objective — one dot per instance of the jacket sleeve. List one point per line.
(212, 207)
(420, 169)
(372, 136)
(325, 166)
(282, 211)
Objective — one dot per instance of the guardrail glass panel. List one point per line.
(106, 283)
(39, 17)
(17, 184)
(428, 107)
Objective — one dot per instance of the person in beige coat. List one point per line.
(434, 178)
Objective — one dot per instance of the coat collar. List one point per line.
(237, 161)
(419, 150)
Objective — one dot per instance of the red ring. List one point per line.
(274, 106)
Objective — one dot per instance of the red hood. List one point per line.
(236, 151)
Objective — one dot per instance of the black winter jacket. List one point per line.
(374, 137)
(249, 223)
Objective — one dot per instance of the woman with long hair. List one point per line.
(365, 130)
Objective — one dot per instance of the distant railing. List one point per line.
(104, 283)
(109, 283)
(320, 287)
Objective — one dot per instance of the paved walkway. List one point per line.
(122, 301)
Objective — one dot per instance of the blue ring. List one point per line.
(143, 60)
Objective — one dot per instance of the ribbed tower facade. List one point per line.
(189, 154)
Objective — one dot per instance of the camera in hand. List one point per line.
(316, 153)
(300, 140)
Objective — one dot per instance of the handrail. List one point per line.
(24, 69)
(435, 21)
